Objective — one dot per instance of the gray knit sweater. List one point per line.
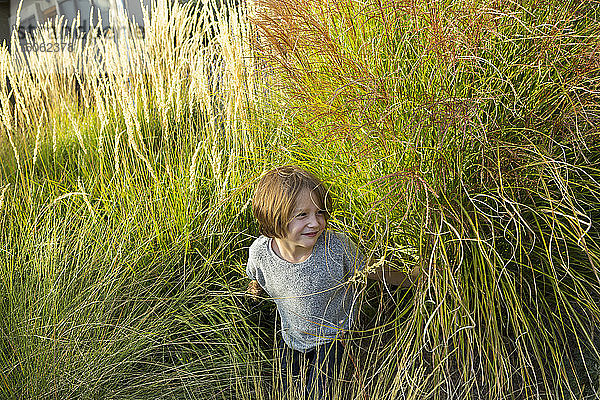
(314, 299)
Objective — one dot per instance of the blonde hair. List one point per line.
(275, 198)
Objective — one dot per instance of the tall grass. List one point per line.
(473, 130)
(460, 137)
(125, 179)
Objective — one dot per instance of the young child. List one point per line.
(305, 269)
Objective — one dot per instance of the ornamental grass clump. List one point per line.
(473, 129)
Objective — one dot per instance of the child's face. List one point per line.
(308, 222)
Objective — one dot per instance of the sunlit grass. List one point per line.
(459, 137)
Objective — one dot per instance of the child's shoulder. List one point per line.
(259, 245)
(259, 248)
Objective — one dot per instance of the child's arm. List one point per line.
(395, 277)
(381, 272)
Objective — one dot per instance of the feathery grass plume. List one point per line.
(132, 125)
(236, 73)
(117, 150)
(54, 136)
(75, 127)
(37, 145)
(4, 189)
(6, 116)
(101, 138)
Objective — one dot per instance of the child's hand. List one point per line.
(254, 290)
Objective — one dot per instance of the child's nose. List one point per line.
(314, 220)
